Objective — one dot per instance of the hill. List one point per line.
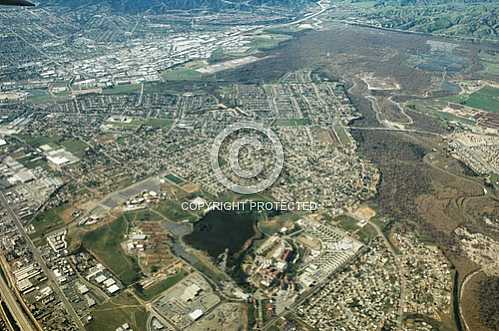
(158, 6)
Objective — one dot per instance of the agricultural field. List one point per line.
(487, 98)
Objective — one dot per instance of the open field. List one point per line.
(105, 244)
(292, 122)
(122, 89)
(156, 289)
(173, 211)
(181, 73)
(118, 311)
(268, 41)
(487, 98)
(490, 63)
(158, 123)
(347, 223)
(48, 221)
(367, 233)
(74, 146)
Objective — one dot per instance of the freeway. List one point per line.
(17, 311)
(324, 6)
(36, 253)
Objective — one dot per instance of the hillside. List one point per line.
(133, 6)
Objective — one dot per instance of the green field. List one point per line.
(490, 63)
(174, 179)
(42, 96)
(105, 243)
(173, 211)
(151, 292)
(48, 221)
(347, 223)
(38, 141)
(158, 123)
(122, 89)
(293, 122)
(267, 42)
(367, 233)
(117, 311)
(75, 146)
(33, 162)
(487, 98)
(494, 179)
(182, 74)
(219, 55)
(72, 145)
(342, 135)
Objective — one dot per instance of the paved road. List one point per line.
(36, 253)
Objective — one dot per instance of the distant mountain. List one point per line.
(137, 6)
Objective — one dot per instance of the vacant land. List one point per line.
(118, 311)
(182, 74)
(347, 223)
(122, 89)
(172, 210)
(48, 221)
(74, 146)
(158, 123)
(105, 244)
(156, 289)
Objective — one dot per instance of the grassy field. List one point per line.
(31, 162)
(122, 89)
(158, 123)
(342, 135)
(117, 311)
(42, 96)
(173, 210)
(293, 122)
(38, 141)
(487, 98)
(274, 224)
(174, 179)
(347, 223)
(72, 145)
(494, 179)
(367, 233)
(151, 292)
(267, 42)
(75, 146)
(490, 63)
(182, 74)
(48, 221)
(105, 243)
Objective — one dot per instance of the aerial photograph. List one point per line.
(237, 165)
